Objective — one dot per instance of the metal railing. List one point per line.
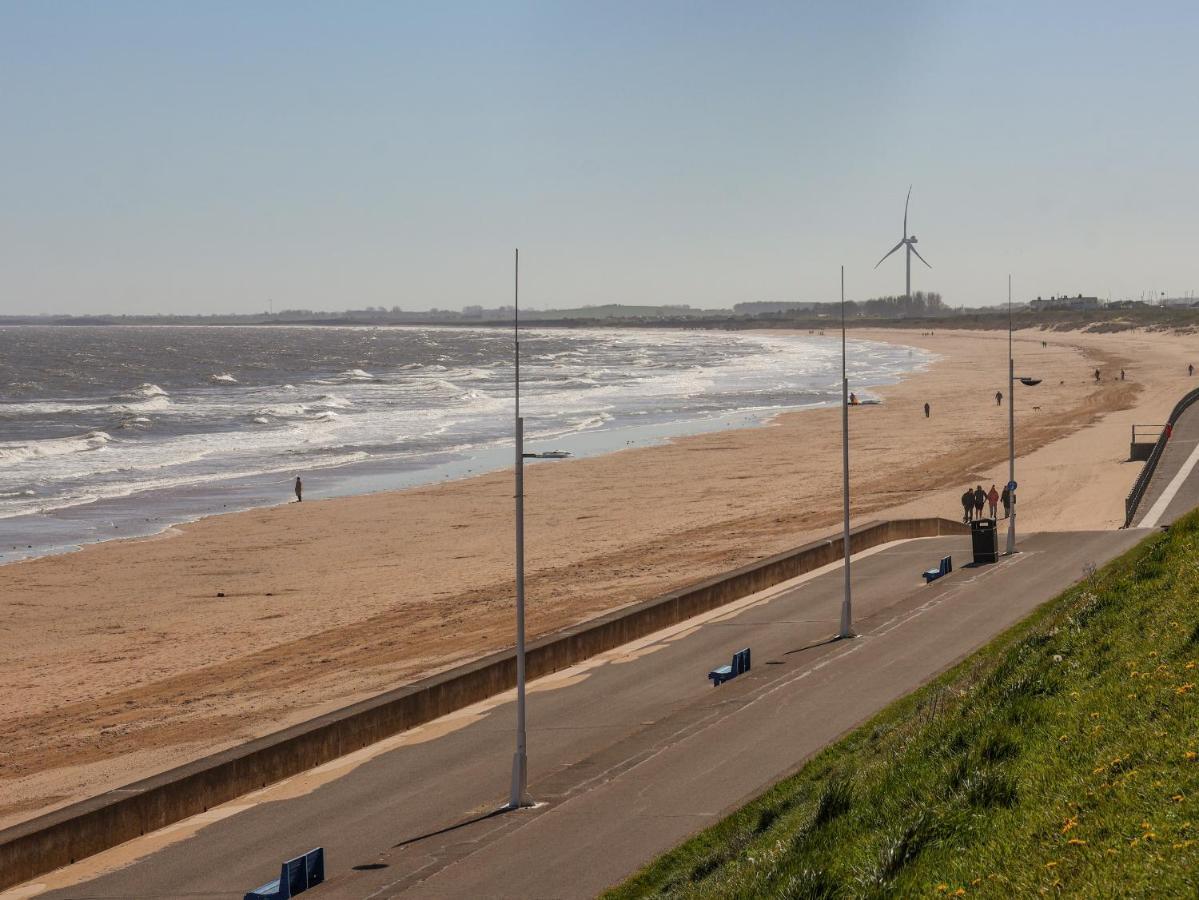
(1142, 483)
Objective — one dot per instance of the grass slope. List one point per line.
(1059, 760)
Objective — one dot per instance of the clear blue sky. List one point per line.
(209, 156)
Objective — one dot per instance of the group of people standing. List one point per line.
(973, 502)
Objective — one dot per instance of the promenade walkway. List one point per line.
(629, 753)
(1174, 488)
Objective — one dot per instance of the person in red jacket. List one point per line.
(993, 500)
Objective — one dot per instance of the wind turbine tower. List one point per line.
(909, 241)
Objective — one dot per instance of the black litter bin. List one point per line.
(985, 540)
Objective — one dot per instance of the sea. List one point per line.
(120, 431)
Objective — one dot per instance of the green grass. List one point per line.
(1059, 760)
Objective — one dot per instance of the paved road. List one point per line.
(629, 753)
(1174, 489)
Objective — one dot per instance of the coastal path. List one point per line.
(629, 752)
(1174, 489)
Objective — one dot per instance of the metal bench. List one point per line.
(944, 569)
(739, 664)
(296, 876)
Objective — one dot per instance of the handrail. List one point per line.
(1137, 494)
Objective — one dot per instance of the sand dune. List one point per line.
(122, 659)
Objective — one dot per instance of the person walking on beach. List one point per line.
(1190, 369)
(968, 505)
(993, 501)
(1121, 374)
(1096, 376)
(980, 500)
(927, 409)
(1006, 498)
(299, 490)
(999, 398)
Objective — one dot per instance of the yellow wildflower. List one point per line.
(1184, 688)
(1051, 864)
(1077, 842)
(1177, 798)
(1190, 665)
(1190, 754)
(1071, 824)
(942, 888)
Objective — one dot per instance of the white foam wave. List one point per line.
(357, 375)
(146, 391)
(225, 378)
(11, 453)
(282, 410)
(110, 491)
(331, 401)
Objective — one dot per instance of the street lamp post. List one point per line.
(1011, 428)
(846, 602)
(519, 794)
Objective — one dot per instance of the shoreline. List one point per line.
(364, 592)
(143, 514)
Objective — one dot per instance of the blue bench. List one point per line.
(944, 569)
(297, 876)
(739, 664)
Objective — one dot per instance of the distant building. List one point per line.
(1070, 303)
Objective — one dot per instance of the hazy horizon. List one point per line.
(216, 158)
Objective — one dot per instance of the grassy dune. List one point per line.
(1060, 760)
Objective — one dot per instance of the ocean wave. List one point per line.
(146, 391)
(331, 401)
(11, 453)
(29, 503)
(589, 422)
(282, 411)
(226, 378)
(150, 404)
(357, 375)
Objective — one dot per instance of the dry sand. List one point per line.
(121, 660)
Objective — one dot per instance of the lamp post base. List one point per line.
(518, 796)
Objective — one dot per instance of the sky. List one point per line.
(217, 157)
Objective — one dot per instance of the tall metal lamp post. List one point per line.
(846, 602)
(519, 794)
(1011, 424)
(1011, 428)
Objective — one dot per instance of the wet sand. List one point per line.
(123, 659)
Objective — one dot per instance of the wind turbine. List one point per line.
(908, 241)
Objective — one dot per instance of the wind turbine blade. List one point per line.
(921, 258)
(905, 211)
(889, 252)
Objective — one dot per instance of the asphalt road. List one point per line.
(1174, 489)
(629, 753)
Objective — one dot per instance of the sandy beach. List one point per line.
(127, 658)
